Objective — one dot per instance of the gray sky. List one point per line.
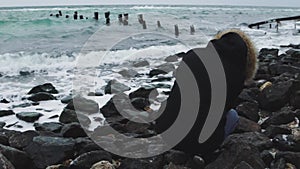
(292, 3)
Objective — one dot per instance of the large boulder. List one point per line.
(46, 88)
(114, 86)
(291, 157)
(18, 158)
(275, 96)
(29, 116)
(283, 116)
(6, 113)
(73, 130)
(69, 116)
(48, 126)
(84, 105)
(249, 110)
(4, 163)
(21, 140)
(45, 151)
(41, 96)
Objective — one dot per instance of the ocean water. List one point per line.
(49, 48)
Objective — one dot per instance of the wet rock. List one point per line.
(256, 139)
(48, 126)
(73, 130)
(162, 79)
(6, 113)
(243, 165)
(273, 130)
(84, 105)
(85, 145)
(275, 96)
(173, 166)
(67, 99)
(156, 72)
(69, 116)
(41, 97)
(278, 69)
(248, 95)
(86, 160)
(45, 88)
(22, 105)
(140, 103)
(109, 109)
(295, 53)
(29, 116)
(295, 100)
(285, 143)
(283, 116)
(196, 163)
(22, 140)
(267, 157)
(141, 64)
(167, 67)
(45, 151)
(278, 164)
(4, 163)
(234, 154)
(172, 58)
(103, 165)
(25, 72)
(264, 53)
(249, 110)
(245, 125)
(291, 157)
(18, 158)
(176, 157)
(4, 139)
(148, 93)
(4, 101)
(2, 124)
(114, 86)
(128, 73)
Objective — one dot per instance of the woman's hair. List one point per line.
(251, 55)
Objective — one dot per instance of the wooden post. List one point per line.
(277, 27)
(126, 16)
(57, 15)
(144, 24)
(67, 16)
(60, 14)
(176, 31)
(51, 14)
(140, 18)
(75, 16)
(96, 15)
(107, 17)
(80, 17)
(120, 17)
(158, 24)
(125, 21)
(270, 26)
(257, 26)
(192, 29)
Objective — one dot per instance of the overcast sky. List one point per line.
(291, 3)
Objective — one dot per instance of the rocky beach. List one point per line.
(267, 136)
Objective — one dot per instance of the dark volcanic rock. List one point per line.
(69, 116)
(18, 158)
(29, 116)
(275, 96)
(114, 86)
(172, 58)
(243, 165)
(6, 113)
(22, 140)
(248, 95)
(249, 110)
(283, 116)
(83, 105)
(86, 160)
(128, 73)
(48, 126)
(167, 67)
(245, 125)
(267, 157)
(84, 145)
(162, 79)
(67, 99)
(273, 130)
(109, 109)
(73, 130)
(42, 96)
(148, 93)
(156, 72)
(2, 124)
(294, 53)
(141, 64)
(264, 53)
(278, 164)
(45, 151)
(256, 139)
(286, 143)
(4, 101)
(4, 163)
(176, 157)
(295, 100)
(234, 154)
(46, 88)
(278, 69)
(148, 163)
(291, 157)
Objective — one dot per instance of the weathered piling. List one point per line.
(192, 29)
(67, 16)
(274, 20)
(57, 15)
(51, 14)
(107, 18)
(126, 17)
(96, 15)
(140, 18)
(158, 24)
(176, 31)
(60, 13)
(144, 24)
(75, 16)
(81, 17)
